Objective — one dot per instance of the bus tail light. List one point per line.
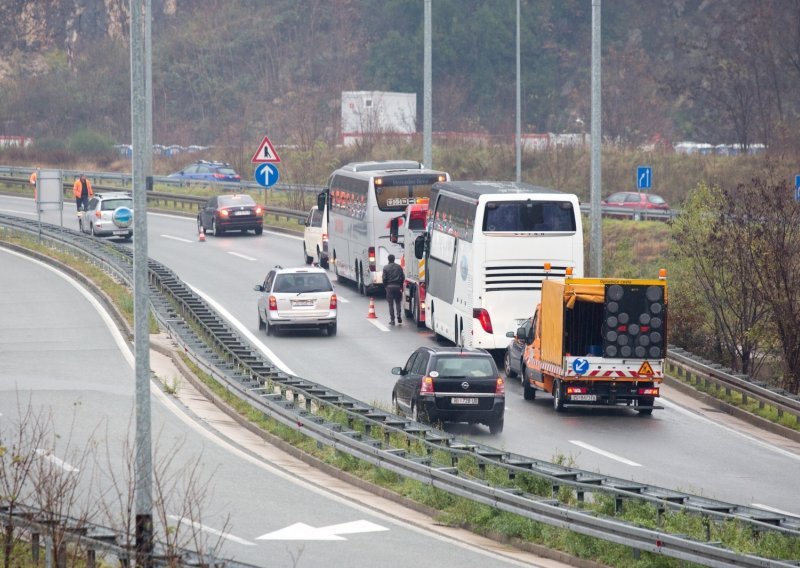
(500, 386)
(649, 391)
(371, 254)
(483, 317)
(333, 302)
(426, 386)
(273, 304)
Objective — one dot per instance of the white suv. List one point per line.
(109, 214)
(315, 237)
(296, 298)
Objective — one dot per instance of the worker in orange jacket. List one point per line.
(82, 190)
(33, 183)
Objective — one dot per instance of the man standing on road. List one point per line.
(82, 190)
(393, 278)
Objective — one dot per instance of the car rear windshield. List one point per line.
(235, 200)
(111, 204)
(299, 283)
(524, 216)
(460, 366)
(226, 171)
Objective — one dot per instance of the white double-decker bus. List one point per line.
(364, 197)
(488, 244)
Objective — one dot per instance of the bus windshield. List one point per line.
(528, 216)
(396, 192)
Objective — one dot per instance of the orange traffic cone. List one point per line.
(202, 234)
(371, 312)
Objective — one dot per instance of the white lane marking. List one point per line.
(209, 530)
(17, 212)
(302, 531)
(240, 255)
(288, 236)
(56, 461)
(378, 324)
(243, 330)
(774, 510)
(181, 239)
(591, 448)
(756, 441)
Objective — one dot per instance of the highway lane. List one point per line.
(61, 353)
(674, 448)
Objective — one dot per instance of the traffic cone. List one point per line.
(202, 234)
(371, 312)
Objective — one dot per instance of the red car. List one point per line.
(636, 205)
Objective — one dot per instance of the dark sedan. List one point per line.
(450, 384)
(237, 212)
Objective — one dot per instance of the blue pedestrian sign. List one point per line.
(580, 366)
(267, 175)
(644, 177)
(797, 188)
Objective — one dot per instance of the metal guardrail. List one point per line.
(369, 433)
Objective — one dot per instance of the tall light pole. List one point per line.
(596, 242)
(519, 106)
(143, 465)
(427, 123)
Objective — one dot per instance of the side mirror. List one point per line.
(394, 227)
(419, 246)
(521, 333)
(397, 370)
(511, 333)
(258, 287)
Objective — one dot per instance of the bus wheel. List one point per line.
(360, 282)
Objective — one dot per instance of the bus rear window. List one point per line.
(528, 216)
(396, 192)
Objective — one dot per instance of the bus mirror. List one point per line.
(393, 229)
(419, 246)
(321, 199)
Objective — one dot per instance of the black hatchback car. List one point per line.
(236, 212)
(451, 384)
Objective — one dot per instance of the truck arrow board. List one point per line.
(302, 531)
(266, 153)
(580, 366)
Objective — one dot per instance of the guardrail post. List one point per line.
(91, 558)
(744, 399)
(35, 548)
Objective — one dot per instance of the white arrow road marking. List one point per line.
(302, 531)
(181, 239)
(209, 530)
(604, 453)
(54, 460)
(242, 256)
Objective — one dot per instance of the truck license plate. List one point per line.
(462, 400)
(584, 397)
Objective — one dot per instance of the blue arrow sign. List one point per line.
(644, 177)
(580, 366)
(267, 175)
(797, 188)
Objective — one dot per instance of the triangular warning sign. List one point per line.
(266, 153)
(646, 369)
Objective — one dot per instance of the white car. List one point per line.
(109, 214)
(315, 237)
(296, 298)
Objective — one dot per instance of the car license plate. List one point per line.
(302, 303)
(120, 232)
(241, 212)
(463, 400)
(584, 397)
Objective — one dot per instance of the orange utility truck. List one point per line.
(598, 342)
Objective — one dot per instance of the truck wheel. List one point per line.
(528, 392)
(647, 401)
(558, 396)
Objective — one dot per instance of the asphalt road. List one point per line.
(682, 447)
(62, 357)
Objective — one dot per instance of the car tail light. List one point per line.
(224, 213)
(218, 176)
(500, 386)
(371, 254)
(483, 317)
(649, 391)
(577, 390)
(333, 302)
(273, 304)
(324, 237)
(426, 386)
(259, 211)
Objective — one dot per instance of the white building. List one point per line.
(377, 113)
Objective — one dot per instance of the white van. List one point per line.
(315, 237)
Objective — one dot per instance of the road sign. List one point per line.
(797, 188)
(266, 153)
(580, 366)
(267, 175)
(644, 177)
